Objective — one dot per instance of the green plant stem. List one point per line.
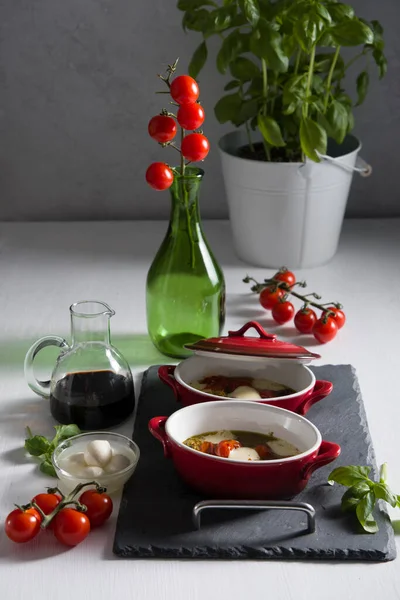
(329, 78)
(297, 63)
(265, 96)
(182, 157)
(309, 80)
(251, 145)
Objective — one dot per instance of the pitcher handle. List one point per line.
(42, 388)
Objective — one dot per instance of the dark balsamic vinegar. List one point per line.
(92, 399)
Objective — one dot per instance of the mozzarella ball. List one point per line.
(245, 392)
(117, 463)
(98, 453)
(244, 453)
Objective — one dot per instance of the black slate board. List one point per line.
(155, 518)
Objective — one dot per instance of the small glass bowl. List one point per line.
(111, 481)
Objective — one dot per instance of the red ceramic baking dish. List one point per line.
(219, 477)
(260, 357)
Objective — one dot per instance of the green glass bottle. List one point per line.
(185, 289)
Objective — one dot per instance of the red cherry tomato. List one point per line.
(304, 320)
(283, 312)
(325, 331)
(195, 147)
(263, 451)
(159, 176)
(99, 507)
(184, 90)
(162, 128)
(339, 317)
(22, 525)
(191, 116)
(286, 276)
(270, 296)
(224, 448)
(207, 448)
(70, 526)
(47, 502)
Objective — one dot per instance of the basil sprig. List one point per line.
(43, 448)
(363, 493)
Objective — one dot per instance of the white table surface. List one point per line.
(44, 267)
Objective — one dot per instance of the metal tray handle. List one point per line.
(200, 507)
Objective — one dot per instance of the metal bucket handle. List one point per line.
(361, 167)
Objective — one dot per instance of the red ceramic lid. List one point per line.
(265, 345)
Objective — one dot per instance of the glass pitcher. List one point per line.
(91, 384)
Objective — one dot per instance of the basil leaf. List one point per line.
(364, 512)
(353, 495)
(351, 32)
(383, 492)
(350, 475)
(219, 20)
(63, 432)
(323, 12)
(362, 87)
(307, 30)
(232, 46)
(251, 11)
(47, 468)
(266, 43)
(381, 61)
(243, 69)
(227, 108)
(270, 131)
(337, 118)
(198, 20)
(312, 137)
(339, 11)
(198, 60)
(37, 445)
(231, 85)
(248, 110)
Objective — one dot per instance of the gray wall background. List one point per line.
(77, 82)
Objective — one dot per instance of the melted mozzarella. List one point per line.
(267, 384)
(283, 448)
(219, 436)
(245, 392)
(244, 453)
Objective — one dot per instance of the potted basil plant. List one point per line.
(289, 165)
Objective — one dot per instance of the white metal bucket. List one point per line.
(288, 213)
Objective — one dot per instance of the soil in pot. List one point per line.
(278, 155)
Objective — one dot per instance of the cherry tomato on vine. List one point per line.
(47, 502)
(224, 448)
(159, 176)
(70, 526)
(286, 276)
(99, 507)
(270, 296)
(282, 312)
(195, 147)
(184, 89)
(22, 525)
(162, 128)
(191, 116)
(339, 317)
(304, 320)
(325, 329)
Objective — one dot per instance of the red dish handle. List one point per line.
(321, 390)
(166, 374)
(260, 330)
(157, 429)
(328, 452)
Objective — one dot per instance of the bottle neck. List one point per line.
(90, 329)
(185, 213)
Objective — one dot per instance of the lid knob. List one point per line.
(253, 324)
